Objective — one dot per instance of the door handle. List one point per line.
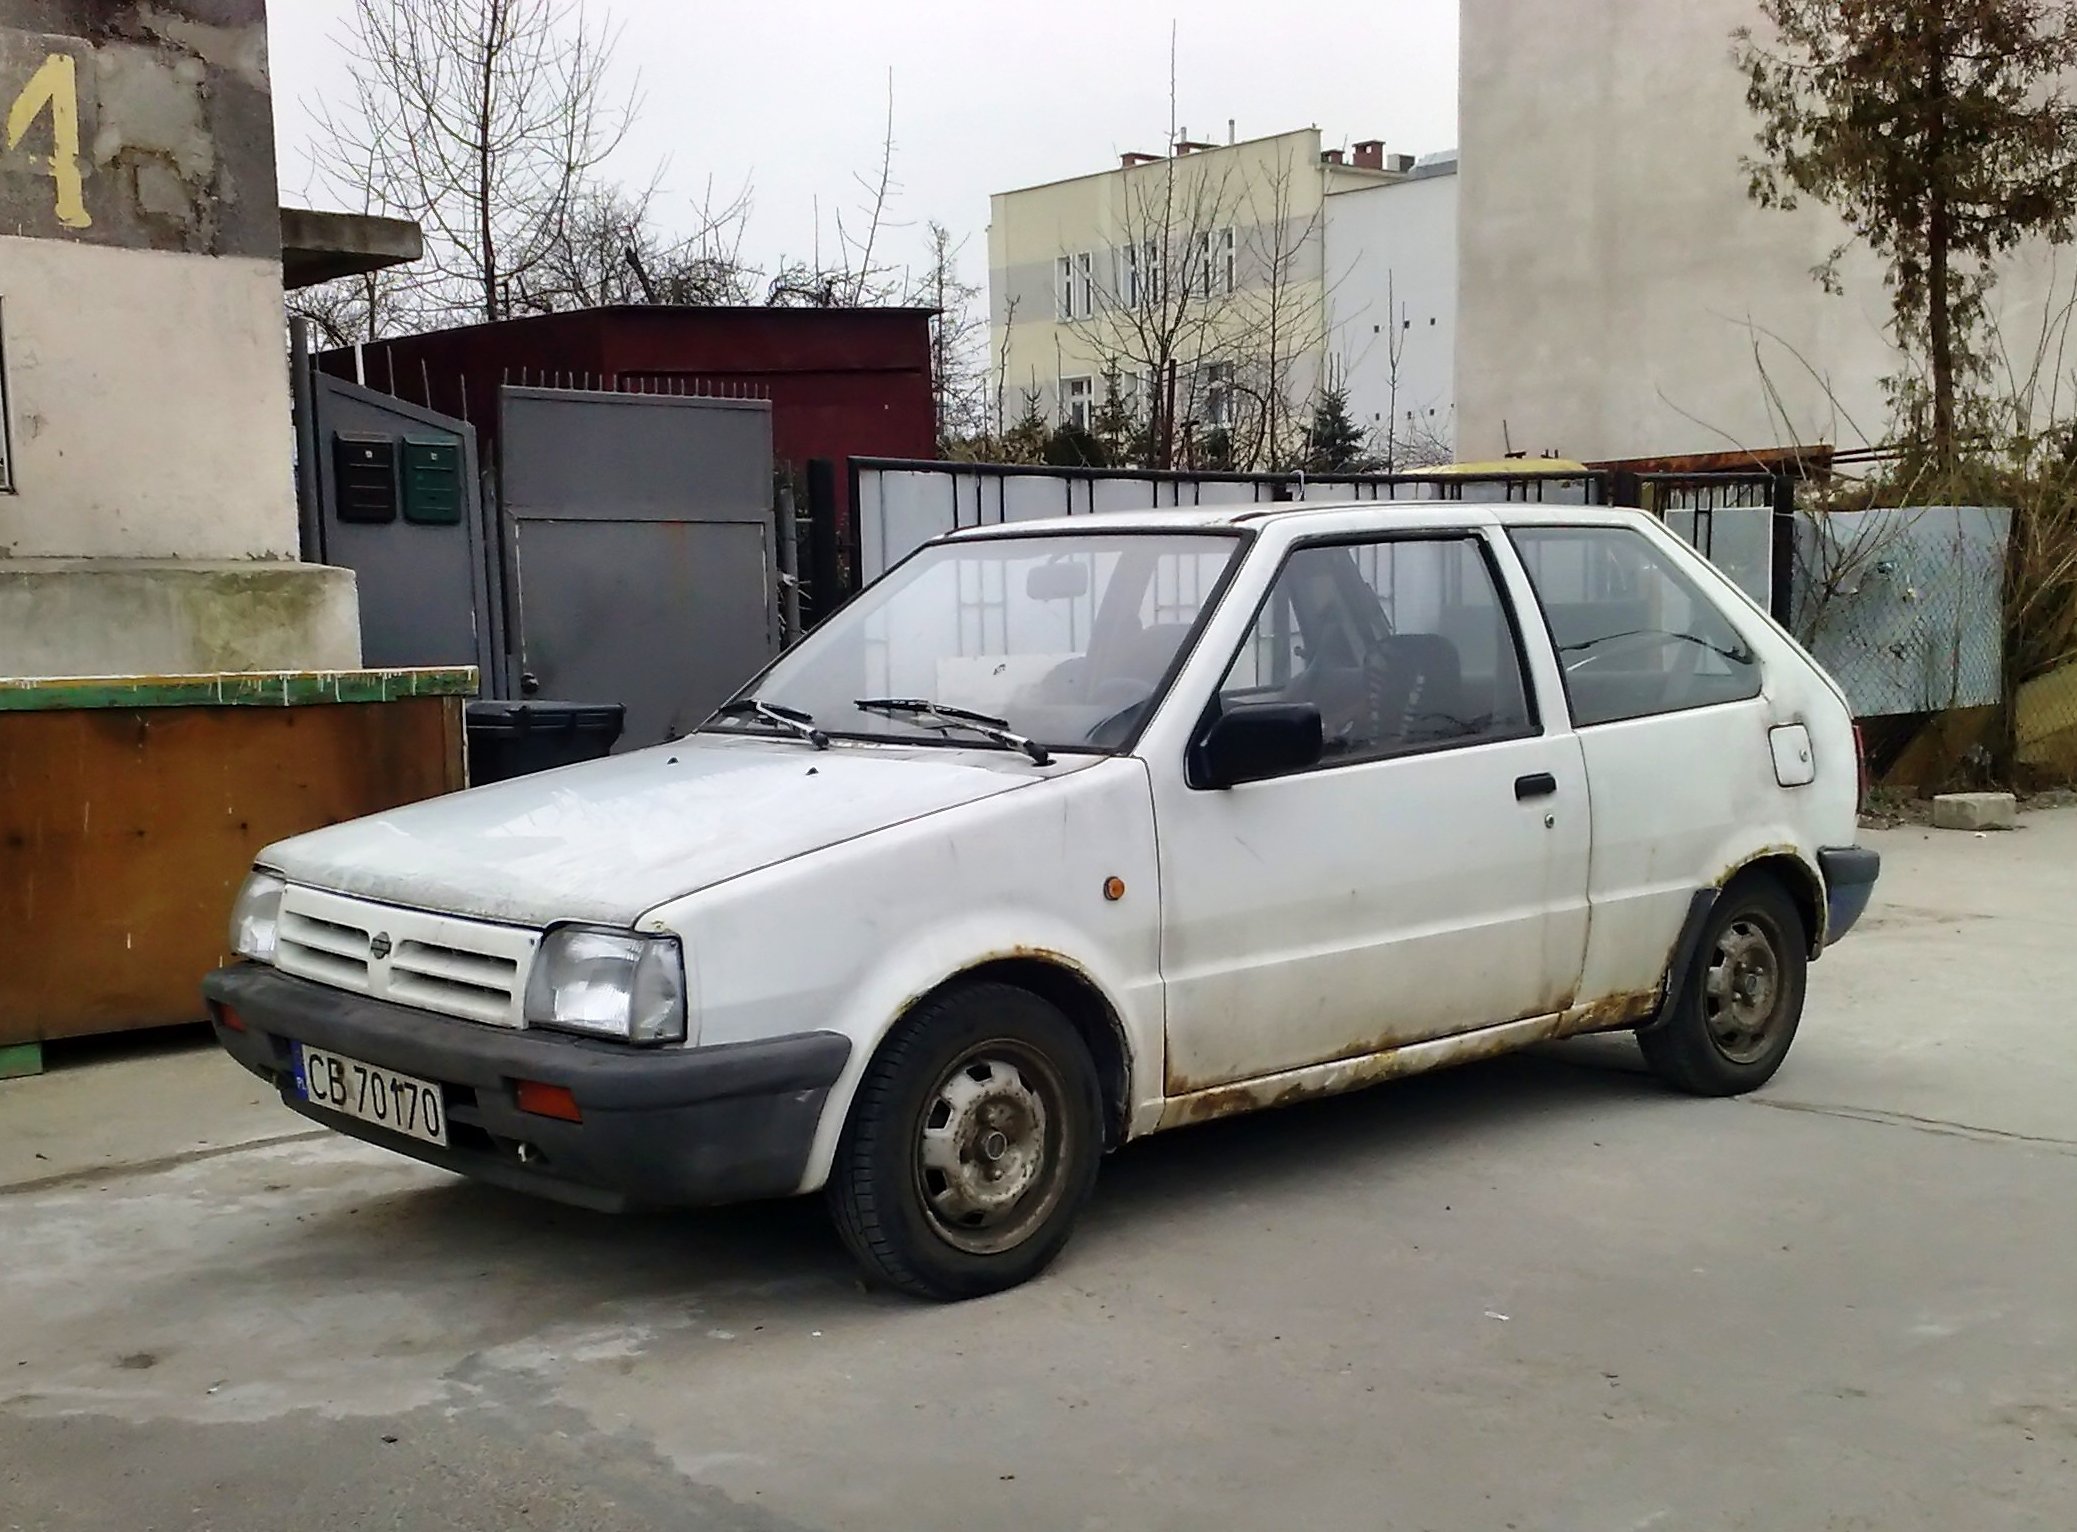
(1537, 784)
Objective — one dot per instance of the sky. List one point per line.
(790, 99)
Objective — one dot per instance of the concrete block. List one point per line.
(160, 617)
(1974, 811)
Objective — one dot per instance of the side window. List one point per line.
(1635, 636)
(1403, 644)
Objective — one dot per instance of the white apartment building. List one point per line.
(1391, 256)
(1255, 269)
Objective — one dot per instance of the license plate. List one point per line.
(402, 1103)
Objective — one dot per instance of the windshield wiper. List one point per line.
(997, 729)
(791, 719)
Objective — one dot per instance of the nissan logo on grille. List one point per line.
(378, 946)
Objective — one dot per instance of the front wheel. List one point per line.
(972, 1145)
(1737, 1010)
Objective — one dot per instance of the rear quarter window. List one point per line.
(1635, 635)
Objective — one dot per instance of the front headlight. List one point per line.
(256, 917)
(608, 984)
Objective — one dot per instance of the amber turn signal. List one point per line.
(1114, 889)
(548, 1100)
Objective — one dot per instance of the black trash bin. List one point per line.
(513, 739)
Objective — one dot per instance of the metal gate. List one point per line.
(636, 533)
(391, 492)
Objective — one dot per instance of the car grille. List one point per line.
(472, 969)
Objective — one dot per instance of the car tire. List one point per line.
(972, 1144)
(1732, 1022)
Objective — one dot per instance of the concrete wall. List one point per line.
(140, 284)
(1391, 258)
(149, 401)
(1615, 281)
(129, 617)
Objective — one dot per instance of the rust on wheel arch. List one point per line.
(1018, 964)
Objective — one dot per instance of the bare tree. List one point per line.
(1153, 310)
(483, 120)
(1403, 439)
(1277, 324)
(857, 276)
(608, 248)
(958, 342)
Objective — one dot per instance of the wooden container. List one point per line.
(131, 807)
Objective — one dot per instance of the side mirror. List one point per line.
(1057, 580)
(1256, 740)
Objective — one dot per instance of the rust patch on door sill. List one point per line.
(1611, 1013)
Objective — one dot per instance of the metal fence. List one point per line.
(1905, 606)
(1739, 520)
(900, 504)
(1908, 608)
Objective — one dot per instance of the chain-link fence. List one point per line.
(1907, 607)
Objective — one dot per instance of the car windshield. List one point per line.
(1062, 639)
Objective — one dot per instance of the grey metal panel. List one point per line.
(666, 617)
(424, 590)
(635, 457)
(638, 557)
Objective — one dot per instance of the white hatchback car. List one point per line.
(1065, 833)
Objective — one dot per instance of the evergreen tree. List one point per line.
(1073, 446)
(1213, 451)
(1025, 441)
(1334, 442)
(1115, 422)
(1941, 133)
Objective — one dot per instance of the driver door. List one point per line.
(1427, 877)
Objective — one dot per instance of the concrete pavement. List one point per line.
(1536, 1294)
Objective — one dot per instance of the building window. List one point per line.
(1139, 274)
(1078, 401)
(1215, 262)
(6, 414)
(1218, 395)
(1074, 286)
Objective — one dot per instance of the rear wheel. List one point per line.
(972, 1145)
(1737, 1010)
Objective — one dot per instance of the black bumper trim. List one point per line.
(670, 1127)
(1849, 873)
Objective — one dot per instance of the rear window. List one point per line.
(1635, 636)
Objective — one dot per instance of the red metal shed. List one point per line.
(843, 382)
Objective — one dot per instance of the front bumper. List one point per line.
(662, 1127)
(1849, 873)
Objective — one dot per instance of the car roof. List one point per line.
(1329, 515)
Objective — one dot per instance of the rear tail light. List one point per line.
(1860, 768)
(548, 1100)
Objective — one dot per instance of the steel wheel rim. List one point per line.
(1744, 989)
(989, 1147)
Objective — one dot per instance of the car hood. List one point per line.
(610, 839)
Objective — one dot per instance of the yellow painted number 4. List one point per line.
(55, 85)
